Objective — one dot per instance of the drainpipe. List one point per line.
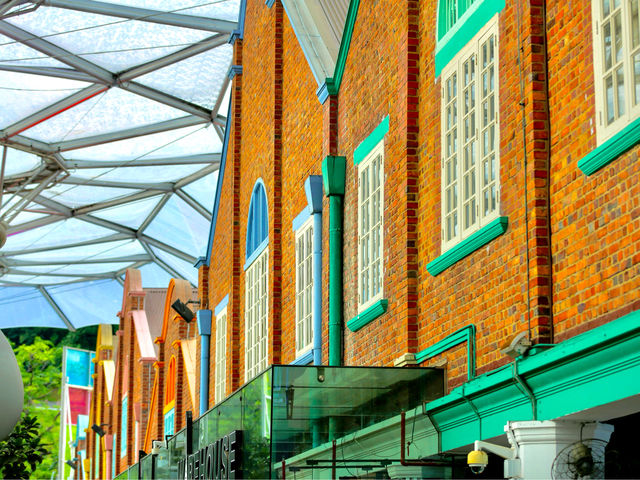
(333, 176)
(313, 190)
(204, 330)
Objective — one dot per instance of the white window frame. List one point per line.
(220, 376)
(256, 315)
(624, 65)
(454, 176)
(304, 287)
(367, 283)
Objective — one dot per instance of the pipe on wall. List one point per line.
(313, 191)
(333, 176)
(204, 330)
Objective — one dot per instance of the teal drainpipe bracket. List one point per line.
(469, 245)
(465, 334)
(333, 174)
(611, 149)
(368, 316)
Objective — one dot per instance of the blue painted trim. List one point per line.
(201, 261)
(302, 217)
(470, 23)
(371, 141)
(216, 203)
(256, 253)
(611, 149)
(269, 3)
(203, 319)
(305, 359)
(465, 334)
(257, 218)
(368, 316)
(204, 330)
(221, 306)
(468, 245)
(323, 92)
(317, 287)
(313, 191)
(234, 70)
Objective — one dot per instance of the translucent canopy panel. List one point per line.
(178, 79)
(110, 111)
(22, 94)
(204, 190)
(178, 225)
(20, 162)
(181, 142)
(107, 124)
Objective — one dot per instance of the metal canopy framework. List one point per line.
(111, 131)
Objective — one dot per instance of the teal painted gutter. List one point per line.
(204, 330)
(333, 176)
(465, 334)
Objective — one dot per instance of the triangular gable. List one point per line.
(143, 335)
(152, 410)
(319, 27)
(178, 289)
(189, 352)
(109, 377)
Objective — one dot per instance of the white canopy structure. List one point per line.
(112, 120)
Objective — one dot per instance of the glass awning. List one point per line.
(112, 118)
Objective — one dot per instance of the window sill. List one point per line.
(368, 316)
(611, 149)
(304, 359)
(468, 246)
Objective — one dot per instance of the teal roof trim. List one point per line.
(611, 149)
(368, 316)
(371, 141)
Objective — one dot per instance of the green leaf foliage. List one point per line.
(23, 450)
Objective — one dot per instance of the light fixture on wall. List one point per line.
(72, 462)
(516, 345)
(98, 429)
(182, 310)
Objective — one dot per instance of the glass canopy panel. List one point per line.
(220, 9)
(131, 214)
(14, 53)
(153, 276)
(203, 190)
(19, 161)
(105, 301)
(197, 79)
(26, 307)
(166, 173)
(185, 269)
(113, 43)
(112, 111)
(59, 233)
(24, 217)
(180, 226)
(175, 143)
(50, 280)
(10, 278)
(74, 254)
(78, 195)
(22, 94)
(79, 268)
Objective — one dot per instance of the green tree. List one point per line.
(40, 364)
(22, 451)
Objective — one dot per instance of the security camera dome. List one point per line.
(477, 461)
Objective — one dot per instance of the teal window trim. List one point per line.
(331, 86)
(257, 220)
(304, 359)
(465, 334)
(369, 143)
(256, 253)
(469, 23)
(368, 316)
(611, 149)
(469, 245)
(123, 423)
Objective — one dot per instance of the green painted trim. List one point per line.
(371, 141)
(333, 84)
(368, 316)
(468, 245)
(333, 174)
(611, 149)
(589, 370)
(470, 23)
(465, 334)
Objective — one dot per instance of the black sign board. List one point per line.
(218, 461)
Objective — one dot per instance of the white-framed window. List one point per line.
(221, 355)
(256, 315)
(370, 234)
(616, 62)
(304, 287)
(470, 138)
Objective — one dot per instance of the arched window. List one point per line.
(256, 292)
(258, 220)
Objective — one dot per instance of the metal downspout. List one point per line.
(204, 330)
(333, 175)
